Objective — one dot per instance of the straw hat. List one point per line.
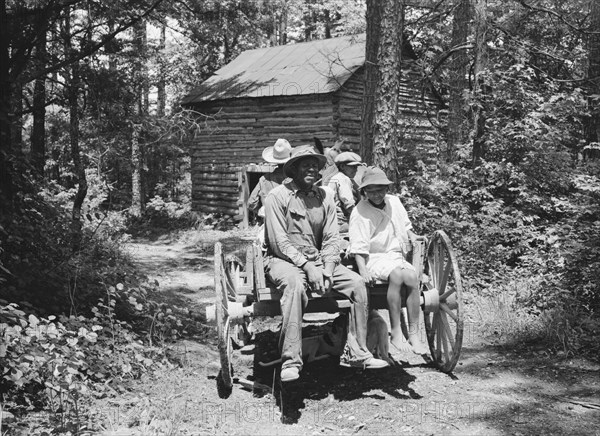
(278, 153)
(301, 152)
(374, 176)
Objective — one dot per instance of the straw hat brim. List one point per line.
(288, 165)
(267, 156)
(374, 180)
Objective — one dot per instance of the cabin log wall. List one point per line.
(236, 133)
(419, 138)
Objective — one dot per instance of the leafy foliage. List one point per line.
(60, 363)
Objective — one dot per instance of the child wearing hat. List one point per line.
(380, 237)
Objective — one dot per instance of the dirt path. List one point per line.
(492, 391)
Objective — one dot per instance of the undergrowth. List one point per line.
(77, 321)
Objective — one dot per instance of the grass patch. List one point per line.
(500, 315)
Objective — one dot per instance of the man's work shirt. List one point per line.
(344, 195)
(299, 222)
(265, 184)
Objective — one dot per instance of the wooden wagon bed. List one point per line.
(242, 292)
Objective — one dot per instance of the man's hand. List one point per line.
(314, 275)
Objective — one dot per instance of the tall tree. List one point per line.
(73, 86)
(386, 117)
(593, 74)
(137, 199)
(142, 91)
(22, 26)
(161, 85)
(371, 78)
(6, 185)
(458, 75)
(479, 85)
(38, 131)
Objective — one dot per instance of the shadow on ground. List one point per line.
(323, 379)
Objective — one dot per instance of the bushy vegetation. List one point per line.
(77, 322)
(529, 211)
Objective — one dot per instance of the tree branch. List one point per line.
(555, 14)
(93, 48)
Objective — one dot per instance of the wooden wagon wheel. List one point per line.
(241, 329)
(444, 319)
(225, 377)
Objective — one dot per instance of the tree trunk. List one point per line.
(458, 83)
(6, 186)
(593, 84)
(273, 37)
(112, 58)
(386, 138)
(309, 19)
(371, 77)
(145, 79)
(141, 73)
(72, 86)
(16, 120)
(137, 198)
(283, 19)
(479, 85)
(328, 23)
(38, 131)
(161, 93)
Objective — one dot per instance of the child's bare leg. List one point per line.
(413, 308)
(394, 301)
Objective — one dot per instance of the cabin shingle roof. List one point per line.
(315, 67)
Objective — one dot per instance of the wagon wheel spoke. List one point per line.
(448, 311)
(446, 294)
(444, 281)
(442, 334)
(447, 329)
(438, 262)
(438, 336)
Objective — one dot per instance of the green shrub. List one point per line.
(59, 363)
(162, 217)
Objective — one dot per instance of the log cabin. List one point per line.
(297, 92)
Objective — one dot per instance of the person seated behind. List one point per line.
(380, 237)
(344, 187)
(279, 154)
(302, 241)
(331, 153)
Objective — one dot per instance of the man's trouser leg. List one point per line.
(291, 281)
(352, 285)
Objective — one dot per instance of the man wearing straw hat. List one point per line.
(303, 255)
(279, 154)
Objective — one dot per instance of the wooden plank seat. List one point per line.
(250, 294)
(378, 291)
(253, 288)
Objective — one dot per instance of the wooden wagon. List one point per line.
(243, 293)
